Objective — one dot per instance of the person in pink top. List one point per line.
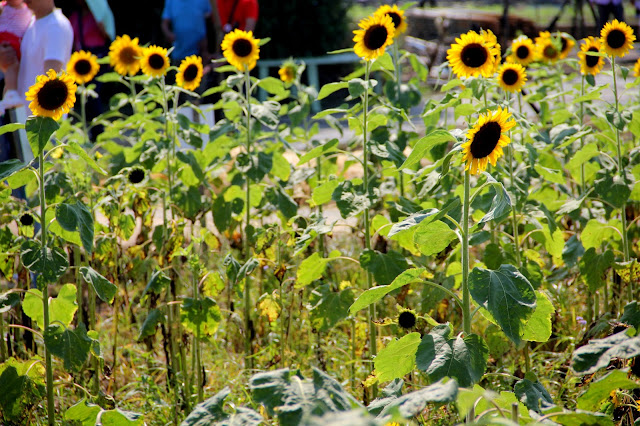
(15, 18)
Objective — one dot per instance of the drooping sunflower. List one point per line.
(566, 44)
(397, 18)
(590, 64)
(83, 66)
(136, 175)
(486, 139)
(472, 55)
(617, 38)
(190, 73)
(52, 95)
(511, 77)
(125, 55)
(636, 69)
(375, 35)
(241, 49)
(523, 51)
(548, 47)
(288, 72)
(407, 319)
(155, 61)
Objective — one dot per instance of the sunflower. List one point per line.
(136, 175)
(548, 47)
(125, 54)
(566, 44)
(407, 319)
(590, 64)
(523, 51)
(636, 69)
(155, 61)
(52, 95)
(83, 66)
(472, 55)
(26, 219)
(190, 73)
(397, 18)
(511, 77)
(486, 139)
(617, 38)
(375, 35)
(288, 72)
(241, 49)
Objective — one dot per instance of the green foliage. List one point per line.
(22, 383)
(52, 263)
(375, 294)
(601, 389)
(105, 290)
(72, 346)
(329, 307)
(62, 308)
(397, 358)
(200, 316)
(39, 130)
(598, 353)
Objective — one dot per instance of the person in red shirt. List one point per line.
(241, 14)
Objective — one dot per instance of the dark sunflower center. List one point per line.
(616, 39)
(485, 140)
(375, 37)
(136, 176)
(190, 73)
(52, 95)
(474, 55)
(592, 61)
(82, 67)
(26, 219)
(550, 52)
(242, 47)
(128, 55)
(407, 319)
(563, 44)
(156, 61)
(522, 52)
(510, 77)
(396, 19)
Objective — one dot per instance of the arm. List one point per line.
(53, 64)
(166, 30)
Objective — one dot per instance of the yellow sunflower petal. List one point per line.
(241, 49)
(125, 55)
(511, 77)
(472, 56)
(617, 38)
(486, 139)
(83, 66)
(190, 73)
(397, 18)
(523, 51)
(155, 61)
(52, 95)
(375, 35)
(590, 64)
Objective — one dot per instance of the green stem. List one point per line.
(3, 343)
(45, 294)
(83, 114)
(196, 345)
(396, 74)
(320, 214)
(79, 289)
(466, 299)
(247, 247)
(582, 179)
(514, 218)
(352, 371)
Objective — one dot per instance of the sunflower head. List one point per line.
(125, 55)
(397, 18)
(511, 77)
(566, 44)
(486, 139)
(617, 38)
(52, 95)
(548, 47)
(190, 73)
(473, 55)
(136, 175)
(155, 61)
(636, 69)
(590, 64)
(523, 51)
(26, 219)
(83, 66)
(407, 319)
(241, 49)
(288, 71)
(375, 34)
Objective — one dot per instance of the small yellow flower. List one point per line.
(523, 51)
(125, 55)
(52, 95)
(617, 38)
(511, 77)
(190, 73)
(486, 139)
(83, 66)
(241, 49)
(375, 35)
(590, 64)
(397, 18)
(288, 72)
(155, 61)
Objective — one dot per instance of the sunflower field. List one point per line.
(447, 245)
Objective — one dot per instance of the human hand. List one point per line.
(8, 56)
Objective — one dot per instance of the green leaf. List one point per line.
(598, 353)
(77, 217)
(424, 145)
(350, 202)
(397, 359)
(507, 295)
(533, 394)
(596, 233)
(426, 216)
(211, 412)
(412, 404)
(594, 267)
(377, 293)
(8, 301)
(322, 193)
(61, 308)
(330, 88)
(158, 281)
(501, 204)
(613, 188)
(463, 359)
(75, 148)
(11, 127)
(105, 290)
(39, 131)
(273, 85)
(52, 264)
(21, 386)
(538, 327)
(328, 307)
(631, 315)
(433, 237)
(385, 267)
(83, 412)
(148, 328)
(72, 346)
(578, 418)
(312, 268)
(601, 389)
(118, 417)
(201, 317)
(318, 151)
(9, 167)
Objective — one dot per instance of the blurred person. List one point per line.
(15, 17)
(240, 14)
(606, 8)
(184, 24)
(93, 26)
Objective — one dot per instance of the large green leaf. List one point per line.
(72, 346)
(464, 359)
(533, 394)
(631, 315)
(424, 145)
(158, 281)
(507, 295)
(39, 131)
(600, 390)
(52, 264)
(397, 358)
(22, 384)
(377, 293)
(595, 233)
(61, 308)
(318, 151)
(412, 404)
(105, 290)
(433, 237)
(598, 353)
(577, 418)
(9, 167)
(83, 412)
(612, 188)
(75, 148)
(538, 327)
(329, 307)
(594, 267)
(349, 200)
(77, 217)
(148, 328)
(201, 316)
(501, 204)
(211, 411)
(312, 268)
(385, 267)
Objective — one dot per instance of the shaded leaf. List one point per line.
(72, 346)
(377, 293)
(598, 353)
(105, 290)
(39, 131)
(52, 264)
(411, 404)
(385, 267)
(600, 390)
(329, 307)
